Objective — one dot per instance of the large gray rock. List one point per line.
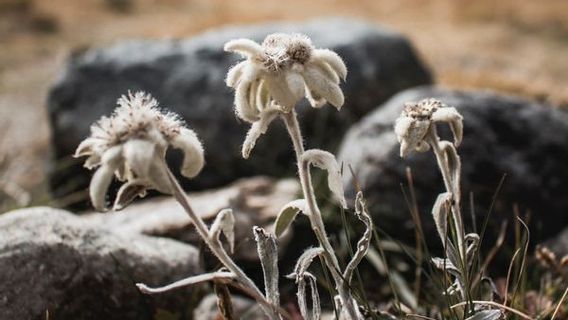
(255, 202)
(525, 140)
(559, 243)
(187, 76)
(52, 263)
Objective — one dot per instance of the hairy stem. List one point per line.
(316, 222)
(434, 141)
(217, 249)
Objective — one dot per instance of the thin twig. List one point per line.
(495, 304)
(559, 304)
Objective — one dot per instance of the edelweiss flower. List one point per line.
(131, 144)
(285, 68)
(278, 74)
(413, 125)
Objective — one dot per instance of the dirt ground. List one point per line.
(511, 46)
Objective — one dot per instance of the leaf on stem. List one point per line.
(440, 214)
(287, 215)
(224, 223)
(326, 161)
(301, 294)
(304, 262)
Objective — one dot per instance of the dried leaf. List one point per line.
(365, 241)
(287, 215)
(304, 262)
(268, 253)
(127, 193)
(325, 160)
(224, 223)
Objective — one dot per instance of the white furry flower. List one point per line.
(285, 68)
(414, 123)
(131, 144)
(277, 74)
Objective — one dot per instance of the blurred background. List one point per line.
(514, 48)
(63, 63)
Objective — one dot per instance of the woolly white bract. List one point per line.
(131, 145)
(418, 117)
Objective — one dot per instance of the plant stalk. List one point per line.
(217, 249)
(291, 122)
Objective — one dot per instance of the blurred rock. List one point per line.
(187, 76)
(525, 140)
(559, 243)
(52, 263)
(255, 202)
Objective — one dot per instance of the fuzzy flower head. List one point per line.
(280, 72)
(131, 145)
(415, 122)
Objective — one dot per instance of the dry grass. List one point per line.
(474, 44)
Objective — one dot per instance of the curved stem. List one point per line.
(217, 249)
(315, 218)
(434, 141)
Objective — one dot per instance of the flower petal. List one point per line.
(139, 154)
(286, 88)
(326, 70)
(257, 129)
(193, 153)
(333, 59)
(453, 118)
(235, 73)
(315, 100)
(245, 47)
(243, 108)
(103, 176)
(262, 96)
(158, 176)
(85, 148)
(322, 86)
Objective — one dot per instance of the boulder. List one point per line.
(255, 202)
(54, 265)
(187, 76)
(503, 135)
(559, 243)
